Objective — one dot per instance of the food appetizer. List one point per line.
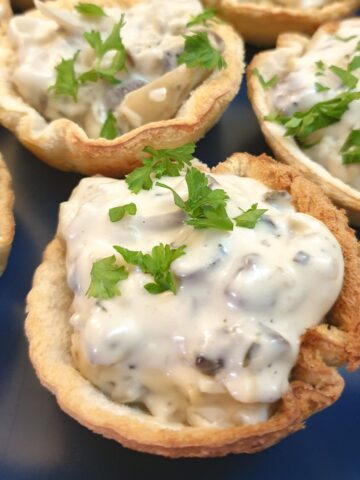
(6, 215)
(306, 95)
(87, 86)
(261, 21)
(178, 311)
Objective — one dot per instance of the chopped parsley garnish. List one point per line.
(66, 82)
(117, 213)
(113, 43)
(105, 275)
(205, 208)
(109, 129)
(301, 124)
(157, 264)
(168, 161)
(265, 83)
(347, 78)
(203, 17)
(250, 217)
(345, 39)
(354, 64)
(90, 9)
(321, 88)
(320, 65)
(199, 52)
(350, 151)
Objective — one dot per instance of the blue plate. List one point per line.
(39, 442)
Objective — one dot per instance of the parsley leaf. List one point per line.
(320, 65)
(250, 217)
(66, 82)
(112, 43)
(321, 88)
(90, 9)
(345, 39)
(351, 149)
(347, 78)
(156, 264)
(320, 115)
(203, 17)
(117, 213)
(109, 130)
(354, 64)
(265, 83)
(198, 52)
(205, 208)
(105, 275)
(167, 161)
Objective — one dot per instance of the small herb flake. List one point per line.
(198, 52)
(203, 17)
(66, 82)
(345, 39)
(347, 78)
(320, 65)
(117, 213)
(265, 83)
(109, 129)
(105, 275)
(90, 9)
(350, 151)
(250, 217)
(321, 88)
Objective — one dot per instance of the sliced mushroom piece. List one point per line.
(205, 254)
(269, 348)
(160, 99)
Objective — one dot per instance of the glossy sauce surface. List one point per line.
(220, 351)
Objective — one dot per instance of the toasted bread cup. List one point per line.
(7, 225)
(260, 24)
(314, 384)
(285, 148)
(64, 145)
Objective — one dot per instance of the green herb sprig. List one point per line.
(157, 264)
(168, 161)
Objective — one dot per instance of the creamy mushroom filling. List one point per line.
(318, 100)
(220, 350)
(305, 4)
(55, 45)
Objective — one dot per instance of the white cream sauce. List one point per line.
(220, 351)
(296, 91)
(152, 36)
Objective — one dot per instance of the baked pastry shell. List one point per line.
(315, 382)
(261, 24)
(285, 148)
(64, 145)
(7, 224)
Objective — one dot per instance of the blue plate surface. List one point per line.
(39, 442)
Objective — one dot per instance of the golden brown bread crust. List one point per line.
(261, 24)
(64, 145)
(315, 383)
(7, 225)
(286, 149)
